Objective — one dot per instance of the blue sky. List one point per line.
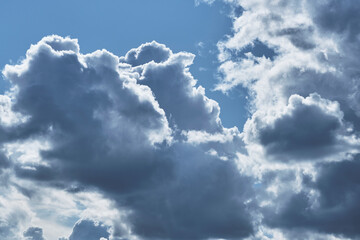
(180, 119)
(121, 25)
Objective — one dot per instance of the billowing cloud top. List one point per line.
(119, 127)
(99, 146)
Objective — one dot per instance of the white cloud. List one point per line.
(198, 2)
(292, 132)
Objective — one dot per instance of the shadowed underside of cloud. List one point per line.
(306, 129)
(335, 211)
(206, 199)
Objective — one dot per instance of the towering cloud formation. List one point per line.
(122, 127)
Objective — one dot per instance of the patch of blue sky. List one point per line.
(119, 26)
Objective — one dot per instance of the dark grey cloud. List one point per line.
(91, 115)
(34, 233)
(116, 129)
(36, 172)
(4, 161)
(205, 199)
(299, 36)
(338, 16)
(335, 211)
(307, 129)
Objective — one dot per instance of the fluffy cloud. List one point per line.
(306, 129)
(308, 57)
(186, 105)
(84, 107)
(117, 125)
(134, 148)
(302, 136)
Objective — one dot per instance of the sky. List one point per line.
(182, 119)
(119, 26)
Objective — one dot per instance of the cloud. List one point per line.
(85, 109)
(146, 53)
(309, 56)
(198, 2)
(208, 188)
(334, 210)
(338, 16)
(302, 136)
(89, 230)
(116, 125)
(4, 161)
(306, 129)
(186, 105)
(34, 233)
(131, 147)
(15, 213)
(10, 224)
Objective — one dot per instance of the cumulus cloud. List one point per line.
(304, 124)
(131, 147)
(118, 125)
(186, 105)
(306, 129)
(85, 108)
